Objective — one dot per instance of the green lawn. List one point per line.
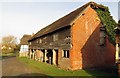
(52, 70)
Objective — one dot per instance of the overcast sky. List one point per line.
(19, 18)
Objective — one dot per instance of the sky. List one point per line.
(27, 17)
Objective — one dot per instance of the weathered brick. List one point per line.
(86, 51)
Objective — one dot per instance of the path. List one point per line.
(11, 66)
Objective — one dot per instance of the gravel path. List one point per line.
(11, 66)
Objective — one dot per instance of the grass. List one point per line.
(52, 70)
(8, 54)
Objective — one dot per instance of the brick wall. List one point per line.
(59, 55)
(86, 51)
(63, 62)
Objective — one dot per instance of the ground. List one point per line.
(11, 66)
(15, 66)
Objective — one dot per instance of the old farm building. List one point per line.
(24, 47)
(75, 41)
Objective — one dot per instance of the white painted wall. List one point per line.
(24, 48)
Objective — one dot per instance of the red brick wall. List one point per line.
(86, 51)
(94, 55)
(110, 53)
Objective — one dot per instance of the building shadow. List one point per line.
(99, 58)
(107, 72)
(95, 55)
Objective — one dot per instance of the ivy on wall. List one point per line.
(108, 22)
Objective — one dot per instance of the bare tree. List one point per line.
(9, 43)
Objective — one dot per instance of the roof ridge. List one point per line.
(61, 23)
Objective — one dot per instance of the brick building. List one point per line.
(75, 41)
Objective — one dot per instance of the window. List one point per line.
(68, 37)
(55, 37)
(40, 40)
(29, 43)
(68, 43)
(45, 38)
(83, 14)
(24, 48)
(66, 53)
(102, 36)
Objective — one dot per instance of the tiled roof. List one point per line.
(64, 21)
(24, 39)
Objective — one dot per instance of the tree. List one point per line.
(119, 22)
(9, 43)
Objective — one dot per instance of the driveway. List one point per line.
(11, 66)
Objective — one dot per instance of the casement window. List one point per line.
(55, 37)
(66, 53)
(102, 36)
